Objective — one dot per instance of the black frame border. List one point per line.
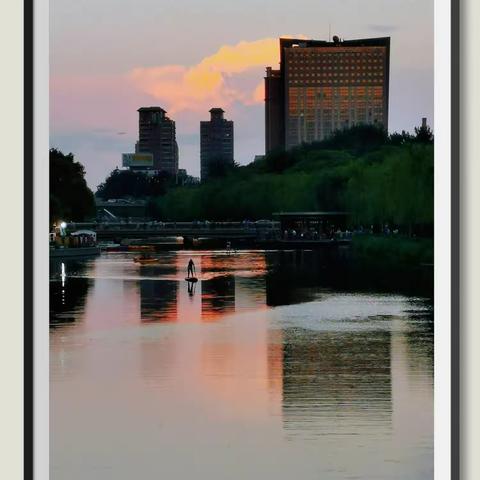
(28, 240)
(455, 240)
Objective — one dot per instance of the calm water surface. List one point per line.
(260, 371)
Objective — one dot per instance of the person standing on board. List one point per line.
(191, 268)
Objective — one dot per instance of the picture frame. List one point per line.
(36, 264)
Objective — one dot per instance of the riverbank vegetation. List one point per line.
(379, 179)
(392, 250)
(70, 197)
(125, 183)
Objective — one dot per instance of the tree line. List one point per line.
(378, 178)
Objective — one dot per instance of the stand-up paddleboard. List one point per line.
(191, 279)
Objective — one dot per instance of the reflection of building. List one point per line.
(156, 137)
(216, 143)
(158, 300)
(218, 297)
(325, 86)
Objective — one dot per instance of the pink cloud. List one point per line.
(219, 79)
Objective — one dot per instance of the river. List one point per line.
(268, 368)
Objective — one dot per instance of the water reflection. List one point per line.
(225, 287)
(158, 300)
(67, 294)
(261, 365)
(218, 297)
(336, 383)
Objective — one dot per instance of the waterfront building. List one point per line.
(325, 86)
(216, 142)
(156, 149)
(311, 225)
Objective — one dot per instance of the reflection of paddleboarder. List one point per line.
(191, 269)
(191, 288)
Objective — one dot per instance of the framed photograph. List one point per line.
(241, 240)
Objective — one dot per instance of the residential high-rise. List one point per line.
(325, 86)
(216, 142)
(156, 134)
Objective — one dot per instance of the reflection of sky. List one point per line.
(110, 57)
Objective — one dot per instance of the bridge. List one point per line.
(187, 230)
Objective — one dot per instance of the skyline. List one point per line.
(93, 115)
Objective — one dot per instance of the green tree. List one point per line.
(127, 183)
(218, 167)
(423, 134)
(70, 197)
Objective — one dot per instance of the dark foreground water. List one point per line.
(263, 370)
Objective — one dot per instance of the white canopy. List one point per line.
(90, 233)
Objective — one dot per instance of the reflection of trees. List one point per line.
(218, 296)
(420, 342)
(166, 267)
(298, 276)
(336, 382)
(67, 295)
(158, 300)
(295, 276)
(67, 299)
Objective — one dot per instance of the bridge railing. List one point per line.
(173, 226)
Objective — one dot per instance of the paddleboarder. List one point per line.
(191, 269)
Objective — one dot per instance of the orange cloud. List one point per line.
(259, 93)
(219, 79)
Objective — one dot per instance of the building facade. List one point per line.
(325, 86)
(216, 143)
(156, 135)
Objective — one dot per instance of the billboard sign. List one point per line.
(133, 160)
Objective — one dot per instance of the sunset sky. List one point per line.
(110, 57)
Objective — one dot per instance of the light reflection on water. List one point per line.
(252, 373)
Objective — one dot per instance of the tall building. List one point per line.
(325, 86)
(156, 134)
(216, 142)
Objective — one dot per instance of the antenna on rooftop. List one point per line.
(329, 31)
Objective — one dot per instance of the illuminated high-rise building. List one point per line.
(325, 86)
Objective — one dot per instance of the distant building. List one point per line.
(120, 209)
(181, 176)
(184, 179)
(156, 149)
(325, 86)
(216, 142)
(274, 110)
